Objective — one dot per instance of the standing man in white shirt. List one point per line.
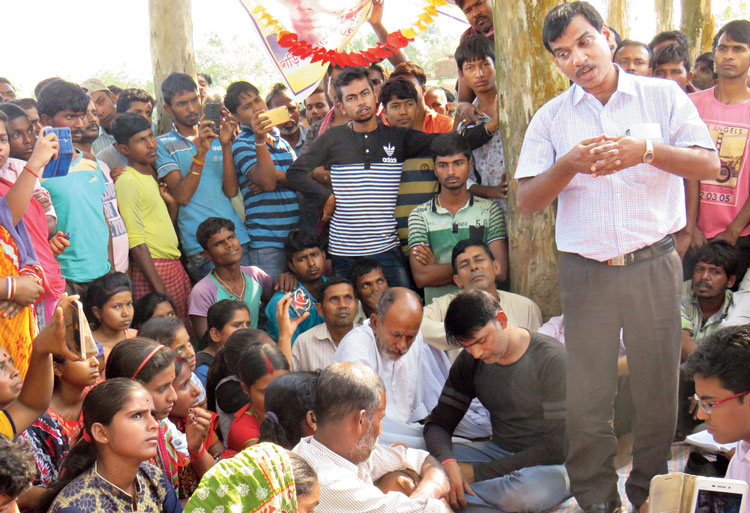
(720, 368)
(350, 405)
(614, 149)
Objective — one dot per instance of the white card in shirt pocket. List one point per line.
(645, 131)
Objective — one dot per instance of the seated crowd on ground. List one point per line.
(322, 321)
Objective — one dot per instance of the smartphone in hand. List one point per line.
(212, 112)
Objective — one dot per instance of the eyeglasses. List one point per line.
(708, 406)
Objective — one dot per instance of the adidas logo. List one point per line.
(389, 149)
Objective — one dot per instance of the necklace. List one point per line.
(229, 289)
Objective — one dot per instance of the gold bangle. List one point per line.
(196, 173)
(198, 162)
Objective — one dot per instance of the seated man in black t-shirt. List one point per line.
(520, 378)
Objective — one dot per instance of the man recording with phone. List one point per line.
(271, 208)
(195, 164)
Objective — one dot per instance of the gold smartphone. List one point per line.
(278, 116)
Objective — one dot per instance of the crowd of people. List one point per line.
(314, 315)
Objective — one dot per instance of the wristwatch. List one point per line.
(648, 155)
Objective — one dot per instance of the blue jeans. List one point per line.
(198, 267)
(530, 489)
(271, 260)
(392, 261)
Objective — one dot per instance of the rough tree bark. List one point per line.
(619, 17)
(171, 26)
(526, 78)
(664, 15)
(698, 24)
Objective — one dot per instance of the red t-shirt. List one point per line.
(36, 224)
(244, 428)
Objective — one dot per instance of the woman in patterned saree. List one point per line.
(21, 277)
(264, 478)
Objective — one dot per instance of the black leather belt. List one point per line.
(656, 249)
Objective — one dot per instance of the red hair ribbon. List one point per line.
(87, 436)
(143, 364)
(268, 365)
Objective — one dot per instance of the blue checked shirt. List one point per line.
(601, 218)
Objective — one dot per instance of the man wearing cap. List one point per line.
(106, 111)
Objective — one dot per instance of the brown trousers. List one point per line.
(644, 300)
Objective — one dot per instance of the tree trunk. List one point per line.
(619, 17)
(698, 24)
(664, 15)
(526, 78)
(171, 25)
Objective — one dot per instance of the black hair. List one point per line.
(720, 253)
(289, 397)
(738, 30)
(218, 315)
(558, 19)
(449, 144)
(630, 42)
(299, 240)
(127, 125)
(335, 280)
(206, 77)
(177, 83)
(362, 266)
(410, 69)
(669, 35)
(349, 75)
(671, 53)
(235, 91)
(26, 103)
(400, 88)
(708, 58)
(474, 48)
(211, 227)
(318, 90)
(161, 329)
(42, 84)
(330, 68)
(465, 244)
(3, 117)
(59, 95)
(128, 96)
(344, 387)
(145, 306)
(278, 89)
(17, 467)
(449, 95)
(100, 406)
(468, 313)
(102, 289)
(227, 360)
(12, 111)
(725, 355)
(255, 361)
(116, 90)
(128, 355)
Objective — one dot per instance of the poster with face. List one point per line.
(326, 23)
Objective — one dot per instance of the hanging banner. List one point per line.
(327, 23)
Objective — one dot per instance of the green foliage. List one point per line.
(121, 79)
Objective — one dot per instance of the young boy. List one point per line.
(720, 367)
(399, 99)
(475, 57)
(143, 206)
(228, 279)
(673, 62)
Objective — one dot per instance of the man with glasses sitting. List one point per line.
(720, 367)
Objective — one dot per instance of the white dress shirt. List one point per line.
(603, 217)
(739, 467)
(313, 349)
(346, 487)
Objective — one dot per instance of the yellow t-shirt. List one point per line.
(145, 214)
